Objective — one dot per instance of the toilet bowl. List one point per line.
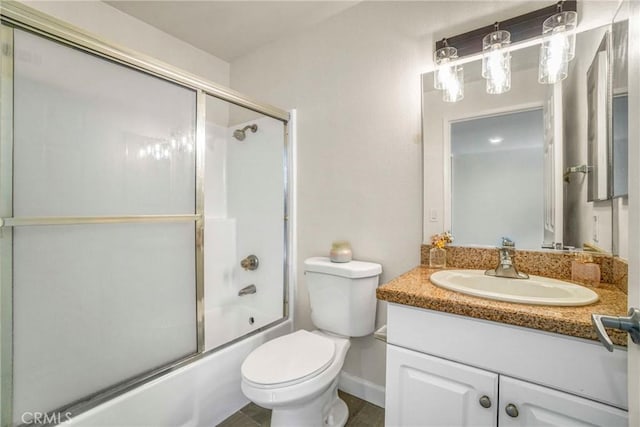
(296, 375)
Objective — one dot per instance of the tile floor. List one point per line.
(361, 414)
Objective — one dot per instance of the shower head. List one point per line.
(240, 134)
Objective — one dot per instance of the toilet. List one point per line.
(296, 375)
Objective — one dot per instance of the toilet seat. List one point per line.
(288, 360)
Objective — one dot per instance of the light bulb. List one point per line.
(558, 47)
(496, 61)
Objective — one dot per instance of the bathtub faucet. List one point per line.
(251, 289)
(250, 263)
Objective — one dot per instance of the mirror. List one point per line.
(598, 129)
(619, 138)
(521, 164)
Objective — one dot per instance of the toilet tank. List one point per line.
(342, 295)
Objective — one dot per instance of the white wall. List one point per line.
(355, 83)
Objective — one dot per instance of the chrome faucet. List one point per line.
(505, 267)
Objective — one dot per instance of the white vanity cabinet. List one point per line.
(449, 370)
(429, 391)
(526, 404)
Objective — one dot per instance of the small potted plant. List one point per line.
(438, 253)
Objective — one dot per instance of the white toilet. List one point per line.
(296, 375)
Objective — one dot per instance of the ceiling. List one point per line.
(230, 29)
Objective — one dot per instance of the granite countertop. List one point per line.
(415, 289)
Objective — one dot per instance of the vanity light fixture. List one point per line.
(495, 41)
(448, 77)
(558, 45)
(496, 60)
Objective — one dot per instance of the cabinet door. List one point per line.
(535, 405)
(428, 391)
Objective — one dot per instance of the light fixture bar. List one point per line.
(522, 28)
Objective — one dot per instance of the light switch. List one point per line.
(433, 215)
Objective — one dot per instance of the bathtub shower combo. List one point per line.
(143, 229)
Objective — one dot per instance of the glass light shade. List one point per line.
(562, 25)
(553, 67)
(558, 47)
(442, 57)
(496, 61)
(453, 85)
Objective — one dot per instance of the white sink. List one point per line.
(535, 290)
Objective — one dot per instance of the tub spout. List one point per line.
(251, 289)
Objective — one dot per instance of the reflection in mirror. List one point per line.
(620, 104)
(620, 161)
(620, 144)
(540, 200)
(588, 221)
(598, 106)
(496, 161)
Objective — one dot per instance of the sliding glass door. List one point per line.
(106, 211)
(101, 211)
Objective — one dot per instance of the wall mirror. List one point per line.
(598, 126)
(518, 164)
(619, 41)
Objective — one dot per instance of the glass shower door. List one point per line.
(100, 221)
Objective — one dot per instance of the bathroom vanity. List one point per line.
(455, 359)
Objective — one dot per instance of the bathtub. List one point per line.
(202, 393)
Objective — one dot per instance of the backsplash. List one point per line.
(556, 265)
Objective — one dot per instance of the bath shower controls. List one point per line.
(250, 263)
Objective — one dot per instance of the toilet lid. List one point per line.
(289, 359)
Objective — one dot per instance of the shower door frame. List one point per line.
(16, 15)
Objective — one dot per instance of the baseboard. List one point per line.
(364, 389)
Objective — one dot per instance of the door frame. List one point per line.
(633, 350)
